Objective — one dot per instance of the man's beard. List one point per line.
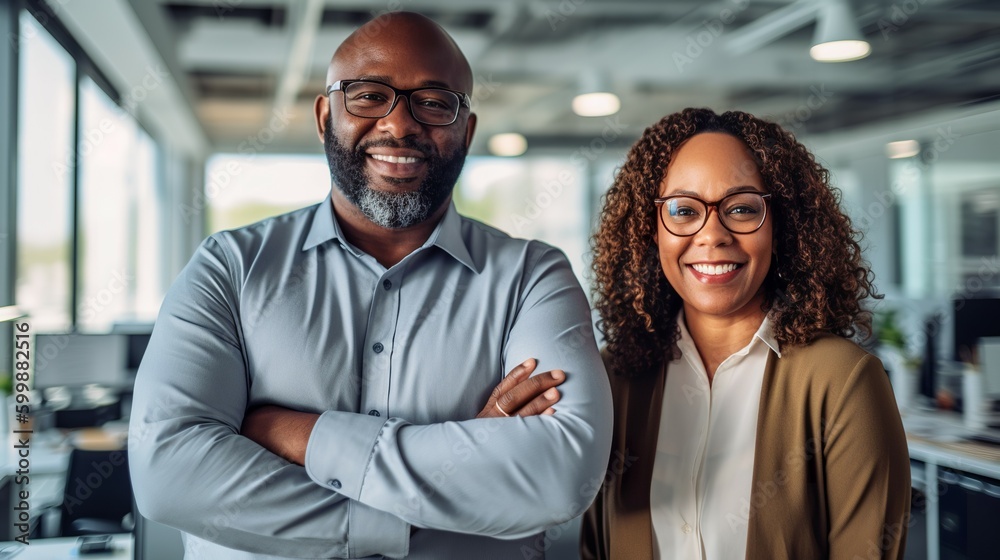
(392, 209)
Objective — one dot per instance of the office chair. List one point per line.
(98, 494)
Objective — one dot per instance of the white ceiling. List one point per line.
(236, 63)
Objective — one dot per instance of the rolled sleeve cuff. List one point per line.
(339, 450)
(374, 532)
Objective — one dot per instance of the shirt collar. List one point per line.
(764, 333)
(447, 235)
(324, 227)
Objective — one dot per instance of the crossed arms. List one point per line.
(367, 479)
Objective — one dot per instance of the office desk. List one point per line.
(66, 548)
(934, 438)
(49, 449)
(48, 462)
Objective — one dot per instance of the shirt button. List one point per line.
(373, 412)
(335, 484)
(378, 347)
(686, 528)
(387, 284)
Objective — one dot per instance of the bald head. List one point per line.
(401, 38)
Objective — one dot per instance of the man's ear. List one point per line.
(470, 130)
(321, 108)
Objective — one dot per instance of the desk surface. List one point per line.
(48, 451)
(64, 547)
(938, 437)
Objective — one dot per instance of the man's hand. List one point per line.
(281, 431)
(286, 432)
(522, 395)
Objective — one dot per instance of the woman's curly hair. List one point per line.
(818, 277)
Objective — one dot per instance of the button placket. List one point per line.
(376, 375)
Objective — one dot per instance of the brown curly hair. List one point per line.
(818, 278)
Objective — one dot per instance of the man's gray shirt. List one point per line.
(398, 361)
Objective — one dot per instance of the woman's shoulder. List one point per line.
(829, 360)
(827, 344)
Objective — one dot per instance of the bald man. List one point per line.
(330, 383)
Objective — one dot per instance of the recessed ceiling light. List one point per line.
(902, 149)
(508, 144)
(596, 104)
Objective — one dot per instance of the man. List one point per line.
(359, 337)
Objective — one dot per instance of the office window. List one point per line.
(147, 254)
(537, 198)
(542, 198)
(240, 190)
(45, 177)
(120, 252)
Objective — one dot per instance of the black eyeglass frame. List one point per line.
(708, 210)
(341, 85)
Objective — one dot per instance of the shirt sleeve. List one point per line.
(868, 469)
(499, 477)
(191, 469)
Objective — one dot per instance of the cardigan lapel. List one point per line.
(643, 400)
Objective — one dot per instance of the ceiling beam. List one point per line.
(243, 46)
(771, 27)
(118, 43)
(305, 21)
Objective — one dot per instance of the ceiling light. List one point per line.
(10, 312)
(596, 104)
(508, 144)
(595, 98)
(902, 149)
(838, 38)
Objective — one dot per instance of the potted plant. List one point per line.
(899, 362)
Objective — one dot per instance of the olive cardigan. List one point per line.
(831, 475)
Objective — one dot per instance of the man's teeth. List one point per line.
(395, 159)
(715, 269)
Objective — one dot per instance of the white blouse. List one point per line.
(702, 475)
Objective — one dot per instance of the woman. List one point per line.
(747, 425)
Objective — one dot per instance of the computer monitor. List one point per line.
(975, 318)
(928, 365)
(79, 359)
(136, 348)
(989, 365)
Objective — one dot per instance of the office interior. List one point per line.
(133, 129)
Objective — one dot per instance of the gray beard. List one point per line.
(393, 210)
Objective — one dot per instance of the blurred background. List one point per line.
(132, 129)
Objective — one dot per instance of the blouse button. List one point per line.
(687, 529)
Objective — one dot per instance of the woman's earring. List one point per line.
(777, 268)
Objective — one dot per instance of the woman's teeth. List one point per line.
(715, 269)
(395, 159)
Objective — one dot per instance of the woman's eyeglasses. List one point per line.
(741, 212)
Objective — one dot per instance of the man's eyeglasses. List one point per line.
(375, 100)
(741, 212)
